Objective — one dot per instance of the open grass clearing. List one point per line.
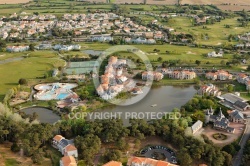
(28, 68)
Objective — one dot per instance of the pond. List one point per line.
(45, 115)
(159, 100)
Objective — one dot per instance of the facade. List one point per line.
(219, 75)
(184, 74)
(101, 38)
(209, 89)
(220, 122)
(196, 126)
(152, 76)
(237, 116)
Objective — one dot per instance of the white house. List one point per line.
(213, 54)
(196, 126)
(101, 38)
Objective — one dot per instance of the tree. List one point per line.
(230, 88)
(113, 155)
(159, 59)
(22, 81)
(32, 47)
(248, 68)
(197, 62)
(122, 144)
(37, 157)
(184, 157)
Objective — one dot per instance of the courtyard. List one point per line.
(209, 132)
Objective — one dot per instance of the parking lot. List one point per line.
(159, 153)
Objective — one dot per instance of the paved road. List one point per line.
(237, 159)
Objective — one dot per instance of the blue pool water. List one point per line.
(62, 96)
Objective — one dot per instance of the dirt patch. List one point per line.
(13, 1)
(190, 52)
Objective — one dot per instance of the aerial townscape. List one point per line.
(124, 83)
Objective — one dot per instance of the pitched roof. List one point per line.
(148, 161)
(70, 148)
(113, 163)
(69, 161)
(240, 104)
(196, 124)
(58, 137)
(237, 114)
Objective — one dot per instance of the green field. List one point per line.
(217, 32)
(28, 68)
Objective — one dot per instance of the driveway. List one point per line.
(237, 158)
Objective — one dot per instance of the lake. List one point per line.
(45, 115)
(164, 99)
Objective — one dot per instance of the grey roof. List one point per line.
(213, 117)
(223, 122)
(240, 104)
(64, 142)
(237, 114)
(231, 97)
(196, 124)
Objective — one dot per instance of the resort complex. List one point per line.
(54, 91)
(124, 83)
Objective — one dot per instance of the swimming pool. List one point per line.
(62, 96)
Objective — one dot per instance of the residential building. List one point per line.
(65, 146)
(219, 75)
(101, 38)
(149, 75)
(219, 121)
(209, 89)
(214, 54)
(68, 161)
(17, 48)
(244, 79)
(141, 161)
(196, 126)
(184, 74)
(237, 116)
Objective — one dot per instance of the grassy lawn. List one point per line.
(28, 68)
(217, 33)
(245, 95)
(184, 53)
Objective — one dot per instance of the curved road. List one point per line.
(237, 159)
